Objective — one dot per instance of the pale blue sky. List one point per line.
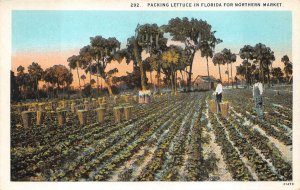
(63, 30)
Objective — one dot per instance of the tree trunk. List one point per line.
(172, 84)
(181, 74)
(47, 89)
(269, 84)
(158, 81)
(228, 74)
(247, 82)
(143, 81)
(108, 85)
(69, 89)
(63, 90)
(140, 64)
(231, 75)
(181, 79)
(90, 72)
(260, 72)
(220, 73)
(37, 88)
(175, 82)
(186, 75)
(57, 90)
(271, 66)
(79, 82)
(151, 77)
(207, 66)
(98, 80)
(101, 85)
(189, 79)
(109, 90)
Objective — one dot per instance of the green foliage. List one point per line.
(195, 35)
(14, 88)
(59, 75)
(87, 90)
(288, 66)
(264, 56)
(277, 74)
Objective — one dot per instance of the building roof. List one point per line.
(205, 78)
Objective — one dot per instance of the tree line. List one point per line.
(24, 85)
(168, 61)
(258, 64)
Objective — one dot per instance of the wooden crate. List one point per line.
(213, 106)
(224, 109)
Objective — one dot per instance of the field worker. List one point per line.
(218, 94)
(257, 96)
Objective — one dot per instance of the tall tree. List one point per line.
(246, 53)
(183, 63)
(252, 71)
(58, 75)
(103, 52)
(14, 88)
(207, 48)
(149, 38)
(277, 74)
(264, 56)
(85, 59)
(219, 59)
(155, 63)
(147, 68)
(288, 67)
(24, 81)
(170, 61)
(21, 77)
(229, 59)
(36, 72)
(75, 63)
(191, 33)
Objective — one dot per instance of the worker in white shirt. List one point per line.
(257, 96)
(218, 93)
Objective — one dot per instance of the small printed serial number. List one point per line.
(288, 183)
(134, 5)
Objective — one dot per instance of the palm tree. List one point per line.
(36, 72)
(227, 53)
(155, 63)
(58, 75)
(148, 37)
(21, 79)
(170, 60)
(85, 58)
(233, 59)
(229, 59)
(207, 47)
(206, 51)
(277, 74)
(288, 66)
(246, 53)
(219, 59)
(192, 33)
(264, 56)
(102, 52)
(74, 63)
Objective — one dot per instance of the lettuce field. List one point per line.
(172, 138)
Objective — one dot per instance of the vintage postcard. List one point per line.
(162, 94)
